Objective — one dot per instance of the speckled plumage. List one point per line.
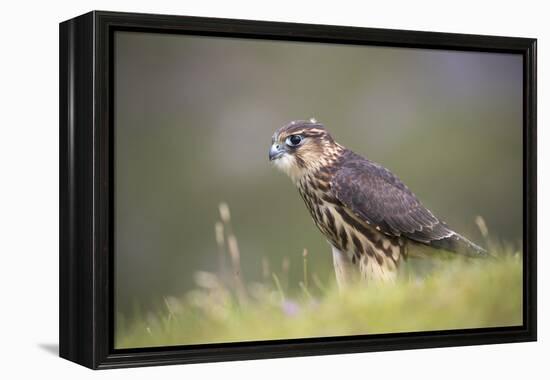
(367, 214)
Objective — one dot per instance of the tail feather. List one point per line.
(459, 244)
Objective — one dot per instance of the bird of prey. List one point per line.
(369, 217)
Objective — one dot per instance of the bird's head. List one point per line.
(302, 146)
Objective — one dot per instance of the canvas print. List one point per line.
(275, 190)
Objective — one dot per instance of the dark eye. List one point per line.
(294, 140)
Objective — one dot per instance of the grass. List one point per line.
(451, 294)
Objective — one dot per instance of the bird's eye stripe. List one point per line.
(313, 134)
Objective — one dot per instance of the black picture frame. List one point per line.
(86, 189)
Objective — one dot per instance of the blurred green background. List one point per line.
(193, 122)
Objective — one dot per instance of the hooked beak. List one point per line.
(276, 151)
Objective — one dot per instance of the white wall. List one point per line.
(29, 186)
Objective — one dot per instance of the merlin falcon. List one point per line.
(369, 217)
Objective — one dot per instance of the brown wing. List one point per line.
(378, 197)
